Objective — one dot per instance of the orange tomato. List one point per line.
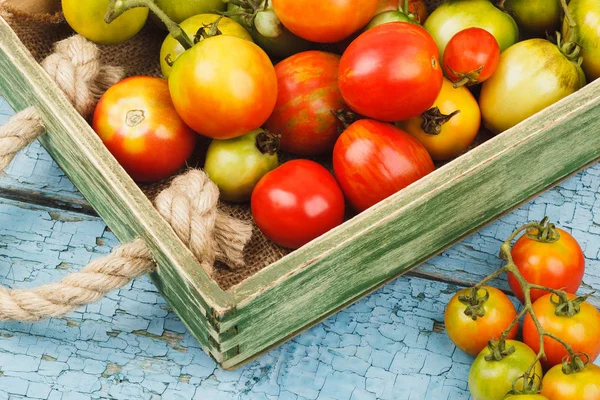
(583, 385)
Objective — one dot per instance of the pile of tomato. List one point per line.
(476, 318)
(397, 89)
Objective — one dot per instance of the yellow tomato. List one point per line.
(531, 76)
(586, 14)
(87, 19)
(457, 133)
(171, 49)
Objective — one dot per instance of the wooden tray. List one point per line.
(337, 269)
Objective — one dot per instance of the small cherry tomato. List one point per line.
(220, 95)
(138, 124)
(582, 385)
(450, 126)
(492, 380)
(308, 93)
(171, 49)
(556, 262)
(391, 72)
(373, 160)
(490, 313)
(236, 165)
(471, 57)
(324, 21)
(581, 329)
(296, 203)
(87, 19)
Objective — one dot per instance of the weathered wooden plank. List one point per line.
(415, 224)
(103, 182)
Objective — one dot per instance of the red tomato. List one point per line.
(296, 203)
(308, 93)
(138, 124)
(324, 21)
(471, 56)
(224, 87)
(581, 331)
(472, 336)
(558, 265)
(373, 160)
(391, 72)
(417, 7)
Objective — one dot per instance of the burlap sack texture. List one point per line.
(139, 56)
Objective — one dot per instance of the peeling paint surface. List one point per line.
(130, 345)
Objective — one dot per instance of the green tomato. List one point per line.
(87, 19)
(492, 380)
(236, 165)
(171, 49)
(586, 14)
(268, 32)
(180, 10)
(457, 15)
(531, 75)
(389, 16)
(536, 17)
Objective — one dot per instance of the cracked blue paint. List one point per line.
(130, 345)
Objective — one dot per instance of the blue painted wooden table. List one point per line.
(391, 345)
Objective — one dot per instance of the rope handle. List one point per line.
(189, 204)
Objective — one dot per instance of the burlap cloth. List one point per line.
(139, 56)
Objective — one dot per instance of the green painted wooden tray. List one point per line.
(301, 289)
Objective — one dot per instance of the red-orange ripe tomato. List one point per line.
(373, 160)
(391, 72)
(138, 124)
(324, 21)
(308, 93)
(224, 87)
(556, 264)
(471, 56)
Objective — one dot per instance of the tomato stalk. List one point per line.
(570, 19)
(433, 119)
(257, 15)
(540, 231)
(268, 142)
(117, 7)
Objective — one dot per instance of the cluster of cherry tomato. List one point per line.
(474, 317)
(390, 96)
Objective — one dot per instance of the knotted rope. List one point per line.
(189, 204)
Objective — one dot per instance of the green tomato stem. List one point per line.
(571, 20)
(117, 7)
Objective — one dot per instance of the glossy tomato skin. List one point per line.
(472, 336)
(324, 21)
(172, 49)
(458, 133)
(87, 19)
(492, 380)
(180, 10)
(583, 385)
(308, 93)
(580, 331)
(416, 7)
(373, 160)
(236, 165)
(138, 124)
(586, 14)
(454, 16)
(471, 50)
(296, 203)
(531, 76)
(221, 96)
(559, 265)
(391, 72)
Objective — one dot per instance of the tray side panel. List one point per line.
(115, 197)
(416, 224)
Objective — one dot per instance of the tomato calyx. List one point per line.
(475, 302)
(565, 307)
(346, 118)
(570, 49)
(433, 119)
(259, 16)
(498, 350)
(465, 78)
(545, 232)
(576, 363)
(208, 30)
(268, 142)
(532, 384)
